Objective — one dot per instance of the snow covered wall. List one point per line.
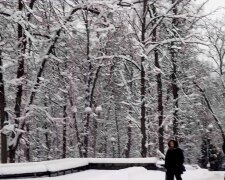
(48, 167)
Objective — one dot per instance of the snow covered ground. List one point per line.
(136, 173)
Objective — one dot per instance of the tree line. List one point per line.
(109, 78)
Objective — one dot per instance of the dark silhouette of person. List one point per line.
(174, 161)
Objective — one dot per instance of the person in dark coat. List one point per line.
(174, 161)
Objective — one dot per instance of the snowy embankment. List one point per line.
(136, 173)
(44, 166)
(133, 173)
(64, 164)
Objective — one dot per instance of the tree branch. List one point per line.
(5, 14)
(210, 109)
(43, 63)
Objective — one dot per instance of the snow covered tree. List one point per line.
(210, 154)
(102, 79)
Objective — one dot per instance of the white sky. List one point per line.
(213, 5)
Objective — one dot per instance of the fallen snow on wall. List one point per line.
(63, 164)
(123, 160)
(34, 167)
(19, 168)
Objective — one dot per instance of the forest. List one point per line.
(111, 78)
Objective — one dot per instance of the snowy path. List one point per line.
(136, 173)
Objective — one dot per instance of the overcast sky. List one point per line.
(213, 5)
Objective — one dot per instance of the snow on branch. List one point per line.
(161, 19)
(48, 51)
(210, 109)
(123, 3)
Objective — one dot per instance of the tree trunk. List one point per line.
(105, 136)
(95, 134)
(78, 135)
(88, 88)
(76, 129)
(159, 89)
(91, 102)
(47, 140)
(143, 85)
(117, 129)
(47, 143)
(129, 134)
(27, 148)
(64, 132)
(38, 148)
(175, 88)
(20, 73)
(4, 154)
(129, 126)
(12, 155)
(20, 70)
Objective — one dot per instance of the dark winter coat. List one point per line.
(174, 160)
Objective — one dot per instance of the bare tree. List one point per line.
(4, 153)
